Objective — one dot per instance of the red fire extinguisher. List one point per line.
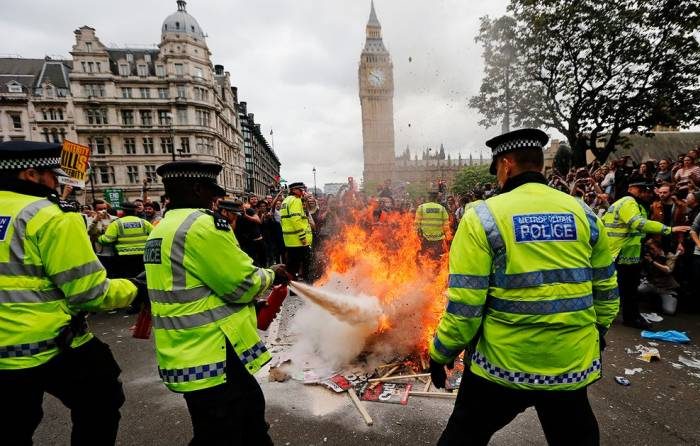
(267, 312)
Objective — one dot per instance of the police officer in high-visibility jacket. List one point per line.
(626, 224)
(128, 234)
(532, 289)
(433, 224)
(202, 289)
(49, 275)
(296, 232)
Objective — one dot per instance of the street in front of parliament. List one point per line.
(660, 407)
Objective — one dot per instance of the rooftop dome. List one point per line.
(181, 22)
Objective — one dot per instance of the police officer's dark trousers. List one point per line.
(85, 379)
(628, 278)
(232, 413)
(483, 407)
(299, 261)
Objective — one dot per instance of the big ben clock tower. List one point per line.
(376, 78)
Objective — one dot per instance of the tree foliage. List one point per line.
(593, 69)
(562, 159)
(470, 178)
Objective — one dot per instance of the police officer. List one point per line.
(531, 291)
(128, 234)
(49, 275)
(626, 223)
(432, 222)
(296, 231)
(202, 289)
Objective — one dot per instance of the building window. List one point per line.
(54, 136)
(164, 117)
(96, 116)
(124, 69)
(128, 118)
(151, 173)
(203, 117)
(181, 91)
(45, 132)
(182, 116)
(147, 145)
(129, 57)
(201, 94)
(145, 93)
(179, 69)
(142, 70)
(96, 90)
(146, 118)
(166, 145)
(88, 46)
(163, 93)
(130, 146)
(205, 146)
(147, 57)
(160, 71)
(98, 67)
(14, 88)
(100, 145)
(105, 174)
(132, 172)
(198, 72)
(127, 92)
(16, 120)
(185, 145)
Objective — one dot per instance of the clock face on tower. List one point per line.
(376, 77)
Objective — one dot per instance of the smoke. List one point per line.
(340, 322)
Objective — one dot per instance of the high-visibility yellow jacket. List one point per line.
(296, 229)
(532, 268)
(202, 289)
(432, 221)
(48, 273)
(128, 234)
(626, 224)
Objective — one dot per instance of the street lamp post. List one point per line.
(172, 135)
(314, 171)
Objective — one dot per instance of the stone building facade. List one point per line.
(138, 108)
(262, 167)
(35, 100)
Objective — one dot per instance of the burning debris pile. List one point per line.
(373, 315)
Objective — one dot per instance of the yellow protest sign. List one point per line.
(74, 161)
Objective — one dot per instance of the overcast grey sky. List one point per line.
(295, 63)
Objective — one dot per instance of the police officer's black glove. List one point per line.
(601, 337)
(282, 276)
(438, 375)
(141, 291)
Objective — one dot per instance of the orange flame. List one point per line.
(382, 258)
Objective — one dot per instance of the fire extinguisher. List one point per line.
(268, 310)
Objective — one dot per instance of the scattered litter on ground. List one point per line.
(668, 336)
(646, 354)
(622, 381)
(697, 375)
(653, 344)
(690, 362)
(633, 371)
(652, 317)
(676, 365)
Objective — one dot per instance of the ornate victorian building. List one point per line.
(140, 107)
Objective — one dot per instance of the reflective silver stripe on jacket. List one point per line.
(76, 272)
(29, 349)
(20, 227)
(192, 373)
(29, 296)
(179, 296)
(518, 377)
(20, 269)
(196, 320)
(93, 293)
(177, 251)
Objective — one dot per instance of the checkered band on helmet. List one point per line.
(190, 174)
(516, 144)
(27, 163)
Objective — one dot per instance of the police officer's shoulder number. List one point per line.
(219, 221)
(65, 206)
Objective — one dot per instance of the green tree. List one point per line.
(470, 177)
(593, 69)
(562, 159)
